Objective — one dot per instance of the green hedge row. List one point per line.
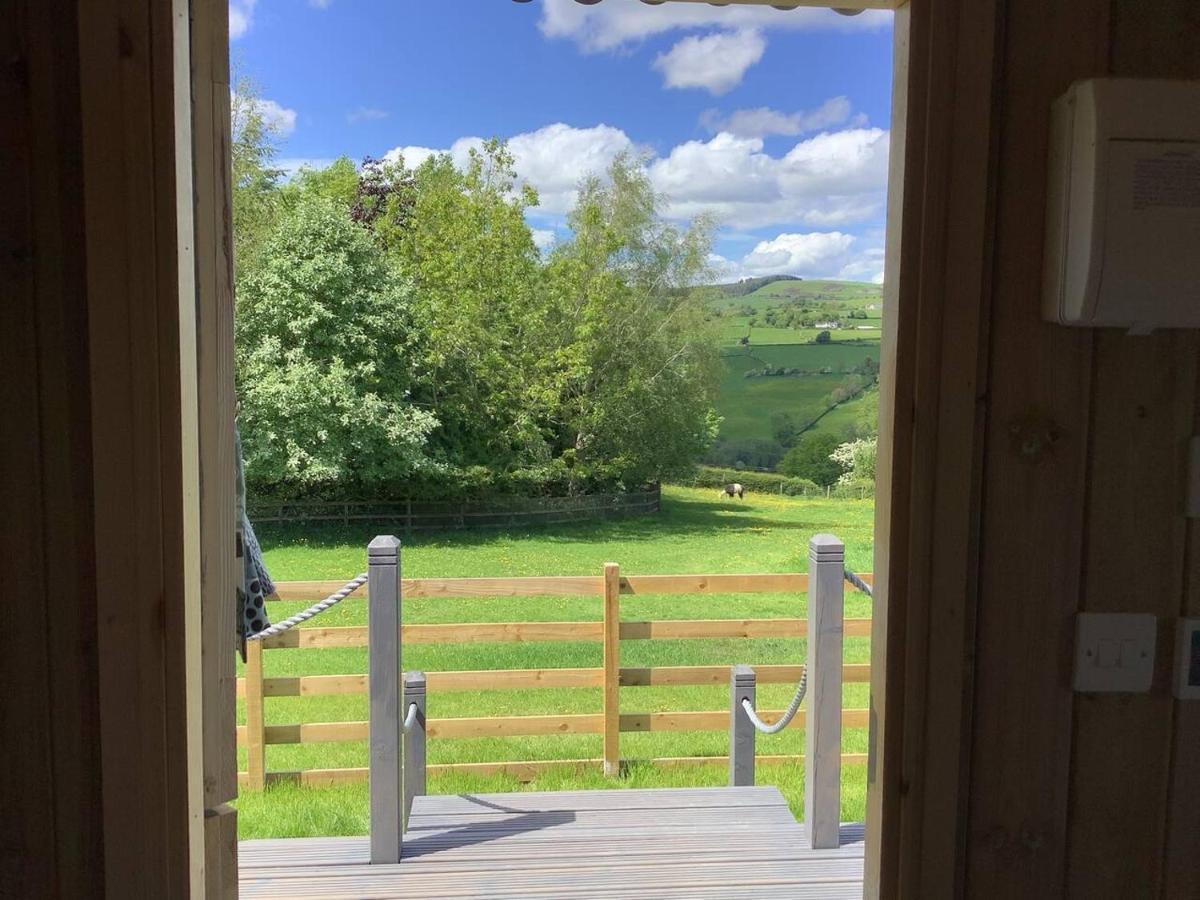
(762, 482)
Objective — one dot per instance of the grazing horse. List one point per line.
(733, 490)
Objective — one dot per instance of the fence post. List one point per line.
(383, 680)
(741, 729)
(612, 669)
(256, 732)
(414, 742)
(823, 732)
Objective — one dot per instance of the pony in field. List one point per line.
(733, 490)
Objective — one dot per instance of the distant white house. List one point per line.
(828, 325)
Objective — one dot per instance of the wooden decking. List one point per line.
(728, 843)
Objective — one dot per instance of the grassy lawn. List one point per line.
(693, 533)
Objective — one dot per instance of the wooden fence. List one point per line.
(497, 512)
(607, 587)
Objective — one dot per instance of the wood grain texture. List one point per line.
(567, 585)
(214, 320)
(701, 844)
(1136, 555)
(1033, 494)
(254, 730)
(518, 632)
(52, 828)
(612, 670)
(524, 679)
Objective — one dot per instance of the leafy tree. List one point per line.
(462, 237)
(824, 337)
(254, 175)
(810, 459)
(635, 367)
(323, 343)
(338, 182)
(784, 428)
(857, 459)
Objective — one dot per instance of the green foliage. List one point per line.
(810, 458)
(337, 182)
(323, 338)
(634, 363)
(461, 236)
(399, 332)
(824, 337)
(761, 482)
(254, 177)
(857, 458)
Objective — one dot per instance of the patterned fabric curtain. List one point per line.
(254, 584)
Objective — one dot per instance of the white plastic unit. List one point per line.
(1187, 660)
(1123, 205)
(1114, 651)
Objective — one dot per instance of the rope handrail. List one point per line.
(789, 714)
(316, 609)
(857, 582)
(410, 720)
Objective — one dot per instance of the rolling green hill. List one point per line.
(774, 327)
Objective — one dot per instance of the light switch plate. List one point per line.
(1114, 652)
(1187, 660)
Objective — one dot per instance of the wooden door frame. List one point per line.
(934, 357)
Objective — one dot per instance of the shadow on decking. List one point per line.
(481, 832)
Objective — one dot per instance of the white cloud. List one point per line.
(319, 4)
(816, 254)
(763, 121)
(544, 238)
(241, 17)
(552, 159)
(831, 180)
(716, 62)
(617, 23)
(366, 114)
(278, 118)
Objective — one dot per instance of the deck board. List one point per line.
(704, 843)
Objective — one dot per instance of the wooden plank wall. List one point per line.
(214, 316)
(97, 798)
(52, 823)
(1083, 474)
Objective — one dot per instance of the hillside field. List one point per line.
(694, 533)
(747, 404)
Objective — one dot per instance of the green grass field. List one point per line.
(695, 532)
(747, 404)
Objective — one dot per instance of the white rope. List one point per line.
(410, 720)
(793, 708)
(317, 608)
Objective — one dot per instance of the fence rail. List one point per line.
(497, 512)
(255, 688)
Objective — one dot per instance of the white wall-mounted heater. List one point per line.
(1123, 214)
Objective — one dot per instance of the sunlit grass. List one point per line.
(694, 533)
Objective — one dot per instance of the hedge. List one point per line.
(763, 482)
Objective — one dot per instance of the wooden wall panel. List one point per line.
(50, 832)
(1032, 505)
(214, 283)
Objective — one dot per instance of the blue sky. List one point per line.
(776, 122)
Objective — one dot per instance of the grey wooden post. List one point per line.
(823, 730)
(383, 667)
(741, 729)
(414, 742)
